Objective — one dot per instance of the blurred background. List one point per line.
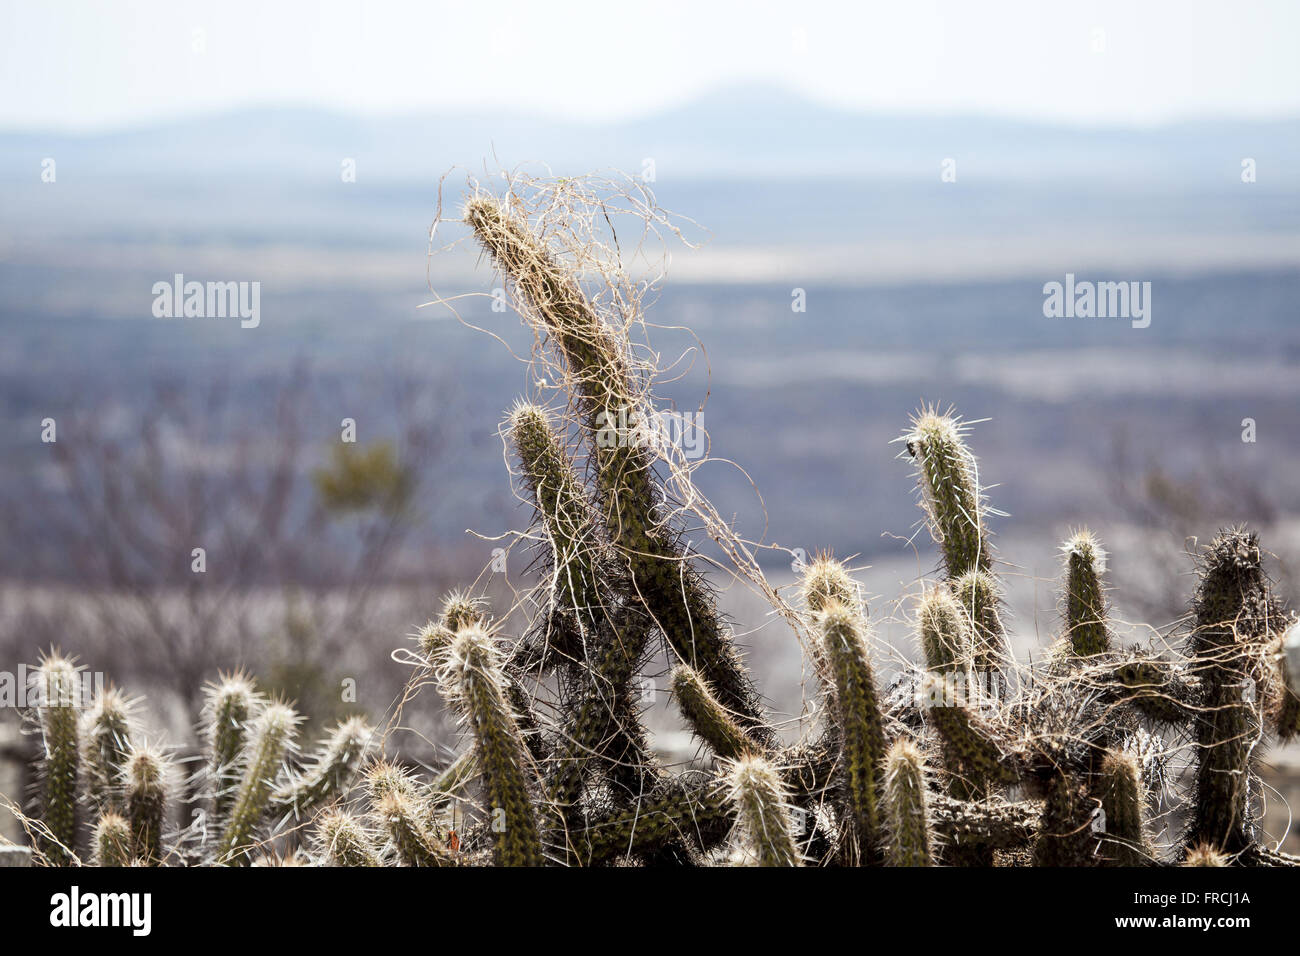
(882, 192)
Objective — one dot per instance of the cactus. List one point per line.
(708, 717)
(946, 637)
(472, 679)
(112, 840)
(1234, 611)
(332, 770)
(341, 840)
(858, 724)
(606, 385)
(763, 812)
(980, 595)
(147, 770)
(1065, 836)
(271, 740)
(400, 815)
(907, 812)
(1122, 800)
(826, 581)
(1204, 855)
(59, 693)
(1286, 719)
(1085, 602)
(106, 740)
(229, 705)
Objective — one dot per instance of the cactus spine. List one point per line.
(272, 737)
(763, 812)
(58, 690)
(907, 811)
(472, 679)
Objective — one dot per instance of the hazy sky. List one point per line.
(98, 63)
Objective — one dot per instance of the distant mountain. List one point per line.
(747, 131)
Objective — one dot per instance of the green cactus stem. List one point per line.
(1123, 803)
(1065, 835)
(947, 475)
(1084, 598)
(147, 770)
(763, 812)
(707, 717)
(697, 812)
(946, 637)
(343, 840)
(106, 741)
(1234, 611)
(859, 726)
(907, 813)
(980, 595)
(332, 770)
(415, 843)
(271, 739)
(112, 840)
(560, 500)
(230, 704)
(59, 696)
(473, 681)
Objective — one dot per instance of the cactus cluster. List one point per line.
(968, 758)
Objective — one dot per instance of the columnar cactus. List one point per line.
(402, 818)
(111, 844)
(1234, 612)
(946, 637)
(332, 769)
(709, 718)
(616, 416)
(1123, 802)
(106, 740)
(147, 770)
(59, 694)
(1084, 599)
(271, 738)
(229, 706)
(763, 812)
(858, 726)
(472, 679)
(910, 841)
(342, 840)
